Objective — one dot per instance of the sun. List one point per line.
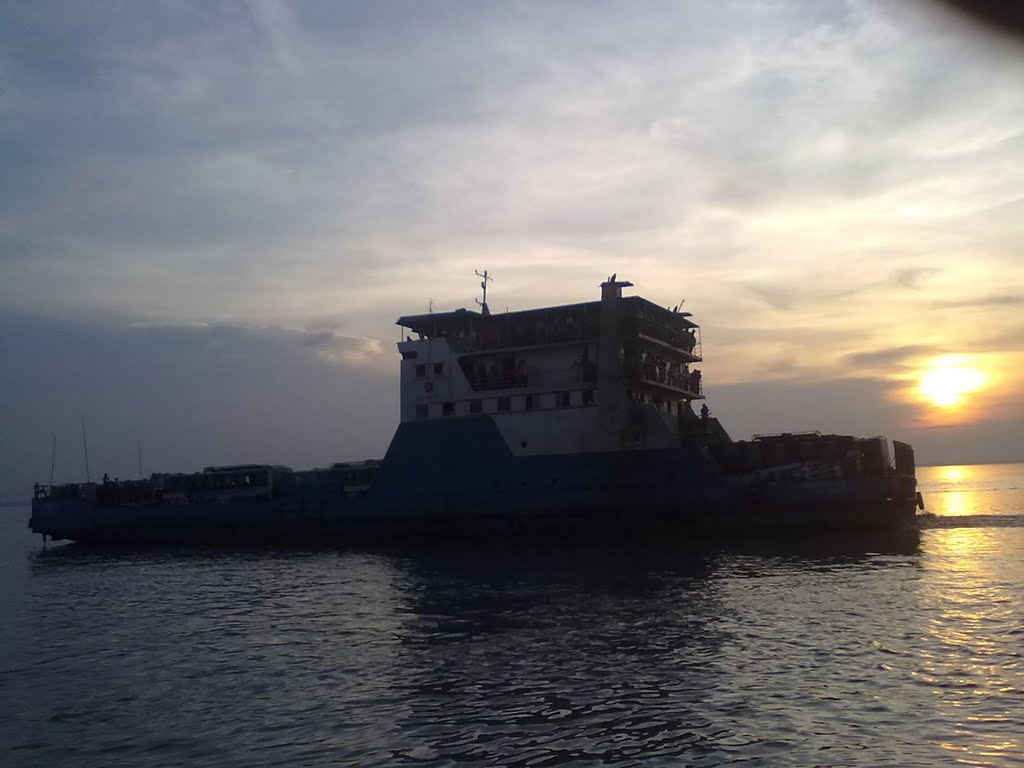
(948, 380)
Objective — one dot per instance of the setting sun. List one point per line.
(948, 380)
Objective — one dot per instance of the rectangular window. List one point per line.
(504, 404)
(588, 397)
(438, 369)
(476, 406)
(563, 398)
(448, 409)
(421, 371)
(529, 402)
(421, 411)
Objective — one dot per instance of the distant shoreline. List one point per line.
(972, 463)
(25, 503)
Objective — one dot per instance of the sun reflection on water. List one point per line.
(971, 611)
(973, 491)
(955, 492)
(954, 474)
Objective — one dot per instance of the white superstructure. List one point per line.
(603, 375)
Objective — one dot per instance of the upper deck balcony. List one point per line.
(469, 332)
(673, 381)
(655, 326)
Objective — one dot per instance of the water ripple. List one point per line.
(520, 656)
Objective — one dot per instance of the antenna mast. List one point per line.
(484, 310)
(85, 446)
(53, 458)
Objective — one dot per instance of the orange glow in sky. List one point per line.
(947, 380)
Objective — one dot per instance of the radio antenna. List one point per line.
(85, 448)
(483, 284)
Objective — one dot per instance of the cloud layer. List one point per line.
(833, 187)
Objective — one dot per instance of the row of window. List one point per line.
(421, 370)
(505, 404)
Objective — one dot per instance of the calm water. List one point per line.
(859, 653)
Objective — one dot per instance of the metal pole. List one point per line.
(85, 446)
(53, 459)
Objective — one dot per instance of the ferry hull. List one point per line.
(460, 478)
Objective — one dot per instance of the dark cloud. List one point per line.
(893, 356)
(994, 300)
(193, 395)
(776, 297)
(810, 290)
(913, 277)
(1007, 339)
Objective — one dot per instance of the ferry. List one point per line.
(578, 418)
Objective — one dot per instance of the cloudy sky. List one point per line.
(212, 213)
